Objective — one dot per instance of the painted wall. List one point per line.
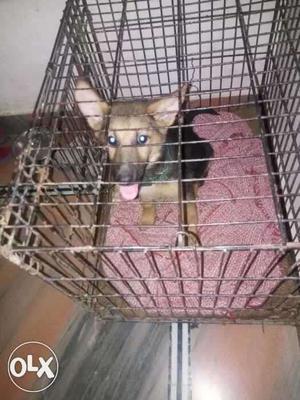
(27, 32)
(28, 29)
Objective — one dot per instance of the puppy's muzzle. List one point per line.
(126, 174)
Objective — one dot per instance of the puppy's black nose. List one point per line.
(124, 178)
(126, 174)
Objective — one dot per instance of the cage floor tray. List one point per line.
(235, 207)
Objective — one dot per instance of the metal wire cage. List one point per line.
(62, 220)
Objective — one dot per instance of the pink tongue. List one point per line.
(129, 192)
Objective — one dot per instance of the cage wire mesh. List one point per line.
(64, 220)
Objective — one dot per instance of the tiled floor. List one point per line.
(29, 311)
(112, 360)
(245, 362)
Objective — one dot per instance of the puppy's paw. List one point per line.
(188, 238)
(148, 216)
(193, 237)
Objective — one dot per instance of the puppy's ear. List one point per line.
(90, 104)
(165, 109)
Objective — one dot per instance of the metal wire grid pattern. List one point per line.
(238, 55)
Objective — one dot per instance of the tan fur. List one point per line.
(126, 121)
(155, 193)
(168, 192)
(148, 214)
(91, 106)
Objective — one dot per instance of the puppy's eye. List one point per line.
(142, 139)
(112, 140)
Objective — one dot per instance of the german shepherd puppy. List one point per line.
(141, 140)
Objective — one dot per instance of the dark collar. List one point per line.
(160, 172)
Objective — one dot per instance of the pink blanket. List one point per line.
(235, 208)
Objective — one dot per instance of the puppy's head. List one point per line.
(136, 131)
